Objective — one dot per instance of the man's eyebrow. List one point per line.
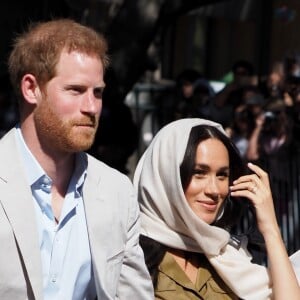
(101, 86)
(75, 85)
(83, 86)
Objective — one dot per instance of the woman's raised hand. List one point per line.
(256, 187)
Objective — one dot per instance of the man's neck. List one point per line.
(58, 165)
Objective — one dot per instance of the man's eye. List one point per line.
(98, 92)
(76, 90)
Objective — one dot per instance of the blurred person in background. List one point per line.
(272, 87)
(197, 105)
(272, 132)
(183, 96)
(241, 129)
(243, 121)
(225, 101)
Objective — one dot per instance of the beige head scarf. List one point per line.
(167, 218)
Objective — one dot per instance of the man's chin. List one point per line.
(78, 146)
(82, 147)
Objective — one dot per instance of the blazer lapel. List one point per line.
(97, 212)
(17, 202)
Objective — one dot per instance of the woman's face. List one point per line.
(209, 184)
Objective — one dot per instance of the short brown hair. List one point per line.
(37, 51)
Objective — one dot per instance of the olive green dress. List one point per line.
(173, 283)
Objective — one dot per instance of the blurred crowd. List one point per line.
(261, 115)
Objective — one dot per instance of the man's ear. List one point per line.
(30, 89)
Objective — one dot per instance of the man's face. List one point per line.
(68, 112)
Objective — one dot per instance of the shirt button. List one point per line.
(54, 278)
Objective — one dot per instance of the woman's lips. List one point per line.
(209, 205)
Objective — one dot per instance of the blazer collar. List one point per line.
(17, 203)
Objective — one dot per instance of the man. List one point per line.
(69, 224)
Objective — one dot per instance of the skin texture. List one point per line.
(209, 185)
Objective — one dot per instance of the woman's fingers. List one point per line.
(259, 172)
(258, 181)
(256, 188)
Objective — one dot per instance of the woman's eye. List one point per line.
(199, 173)
(224, 175)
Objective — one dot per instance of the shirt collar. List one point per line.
(33, 169)
(80, 172)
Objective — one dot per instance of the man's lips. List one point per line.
(91, 125)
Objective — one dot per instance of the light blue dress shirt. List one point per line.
(65, 249)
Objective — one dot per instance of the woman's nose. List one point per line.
(212, 187)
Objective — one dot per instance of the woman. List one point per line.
(191, 192)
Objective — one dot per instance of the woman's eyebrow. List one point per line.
(207, 167)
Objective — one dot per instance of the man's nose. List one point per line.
(91, 104)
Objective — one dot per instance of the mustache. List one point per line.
(91, 121)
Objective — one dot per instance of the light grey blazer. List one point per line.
(113, 225)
